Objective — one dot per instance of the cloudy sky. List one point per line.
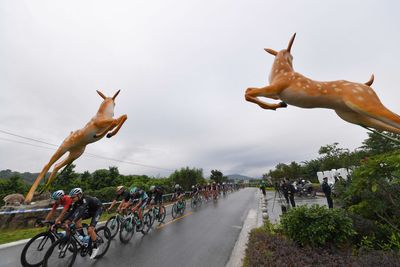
(183, 67)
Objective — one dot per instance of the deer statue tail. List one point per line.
(371, 80)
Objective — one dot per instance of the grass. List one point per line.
(11, 235)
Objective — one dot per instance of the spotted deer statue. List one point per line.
(356, 103)
(100, 125)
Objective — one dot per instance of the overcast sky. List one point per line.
(183, 67)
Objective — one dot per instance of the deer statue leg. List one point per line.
(121, 121)
(365, 121)
(107, 124)
(59, 153)
(73, 155)
(270, 91)
(377, 112)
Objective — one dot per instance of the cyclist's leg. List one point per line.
(93, 223)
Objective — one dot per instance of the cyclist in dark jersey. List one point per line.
(142, 198)
(85, 207)
(125, 195)
(156, 194)
(60, 200)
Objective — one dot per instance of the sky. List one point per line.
(182, 67)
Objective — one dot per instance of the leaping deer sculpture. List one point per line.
(100, 125)
(353, 102)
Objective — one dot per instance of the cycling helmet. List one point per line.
(57, 194)
(177, 186)
(133, 189)
(193, 186)
(120, 187)
(76, 191)
(152, 188)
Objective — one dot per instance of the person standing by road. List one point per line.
(326, 188)
(262, 187)
(288, 192)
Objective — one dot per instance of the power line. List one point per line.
(85, 154)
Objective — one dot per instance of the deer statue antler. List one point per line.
(356, 103)
(100, 125)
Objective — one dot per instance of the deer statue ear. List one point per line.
(271, 51)
(291, 42)
(101, 94)
(116, 94)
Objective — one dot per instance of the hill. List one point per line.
(240, 177)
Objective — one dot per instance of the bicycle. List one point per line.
(196, 201)
(67, 248)
(114, 224)
(131, 223)
(33, 253)
(178, 208)
(157, 215)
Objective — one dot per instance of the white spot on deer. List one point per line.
(324, 91)
(307, 86)
(358, 88)
(319, 85)
(333, 85)
(360, 98)
(292, 73)
(298, 84)
(337, 89)
(347, 84)
(285, 74)
(354, 91)
(276, 71)
(370, 92)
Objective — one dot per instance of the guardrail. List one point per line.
(165, 197)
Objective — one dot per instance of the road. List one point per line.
(204, 237)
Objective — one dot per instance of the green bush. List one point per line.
(317, 226)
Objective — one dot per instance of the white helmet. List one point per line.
(76, 191)
(152, 188)
(177, 186)
(120, 187)
(57, 194)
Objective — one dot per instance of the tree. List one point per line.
(218, 177)
(186, 177)
(377, 144)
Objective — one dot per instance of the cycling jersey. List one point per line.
(157, 194)
(125, 195)
(85, 208)
(141, 196)
(65, 201)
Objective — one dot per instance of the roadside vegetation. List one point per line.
(364, 231)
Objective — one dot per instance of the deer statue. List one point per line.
(100, 125)
(356, 103)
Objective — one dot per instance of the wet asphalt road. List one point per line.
(204, 237)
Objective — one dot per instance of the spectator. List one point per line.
(327, 191)
(288, 192)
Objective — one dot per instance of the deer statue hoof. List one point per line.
(283, 104)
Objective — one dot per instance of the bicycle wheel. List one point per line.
(62, 253)
(146, 223)
(193, 203)
(174, 211)
(113, 225)
(162, 212)
(34, 251)
(183, 207)
(103, 240)
(127, 230)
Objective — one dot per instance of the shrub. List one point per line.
(317, 226)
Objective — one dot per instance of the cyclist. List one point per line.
(214, 190)
(141, 197)
(60, 199)
(178, 192)
(85, 207)
(156, 193)
(125, 195)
